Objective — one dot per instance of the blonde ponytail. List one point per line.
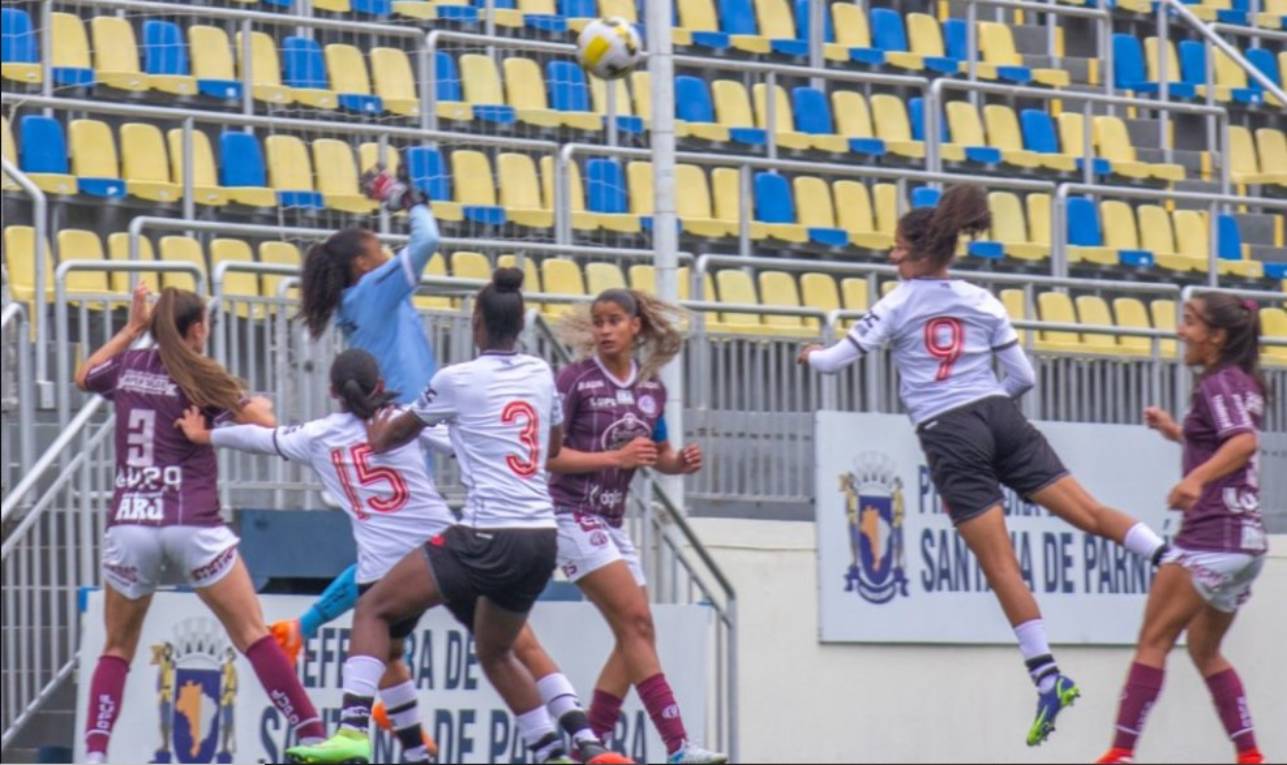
(205, 382)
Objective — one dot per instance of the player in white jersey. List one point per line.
(391, 500)
(944, 334)
(505, 422)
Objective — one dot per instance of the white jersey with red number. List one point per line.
(500, 409)
(943, 334)
(390, 498)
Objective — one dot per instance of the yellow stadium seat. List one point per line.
(851, 31)
(116, 56)
(181, 249)
(520, 191)
(996, 45)
(778, 288)
(581, 220)
(692, 198)
(1038, 208)
(205, 180)
(346, 67)
(471, 265)
(10, 152)
(1115, 144)
(1016, 304)
(1003, 134)
(211, 54)
(964, 127)
(71, 45)
(855, 216)
(699, 16)
(332, 6)
(600, 277)
(395, 84)
(436, 267)
(784, 122)
(892, 126)
(144, 163)
(813, 204)
(1057, 307)
(93, 150)
(531, 272)
(1193, 237)
(1153, 63)
(1131, 313)
(337, 177)
(77, 244)
(819, 291)
(1118, 222)
(1164, 317)
(643, 277)
(281, 254)
(735, 286)
(599, 97)
(1010, 228)
(1243, 165)
(20, 264)
(240, 283)
(118, 249)
(1271, 144)
(265, 69)
(706, 131)
(725, 193)
(288, 165)
(471, 173)
(849, 108)
(480, 80)
(1228, 77)
(856, 293)
(1273, 323)
(885, 199)
(925, 38)
(1157, 236)
(732, 106)
(1093, 310)
(525, 91)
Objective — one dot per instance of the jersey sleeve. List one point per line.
(569, 399)
(291, 442)
(1226, 405)
(437, 440)
(876, 328)
(102, 379)
(394, 281)
(1003, 335)
(557, 416)
(437, 403)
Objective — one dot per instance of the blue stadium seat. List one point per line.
(42, 146)
(802, 22)
(693, 104)
(812, 112)
(738, 17)
(428, 172)
(955, 43)
(241, 165)
(1264, 60)
(1228, 238)
(578, 9)
(19, 43)
(986, 155)
(1039, 135)
(569, 93)
(887, 30)
(166, 52)
(1193, 65)
(605, 186)
(448, 80)
(1129, 72)
(279, 3)
(774, 203)
(925, 196)
(304, 66)
(373, 7)
(1083, 223)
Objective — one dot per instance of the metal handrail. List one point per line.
(1240, 30)
(40, 232)
(1059, 225)
(1213, 39)
(16, 314)
(51, 455)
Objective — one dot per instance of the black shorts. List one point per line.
(510, 567)
(976, 448)
(397, 630)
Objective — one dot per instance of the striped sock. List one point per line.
(1231, 702)
(1036, 654)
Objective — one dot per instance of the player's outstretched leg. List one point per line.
(338, 598)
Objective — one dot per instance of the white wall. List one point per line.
(803, 701)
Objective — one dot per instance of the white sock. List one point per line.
(538, 733)
(95, 757)
(1142, 541)
(362, 675)
(1035, 648)
(558, 695)
(398, 697)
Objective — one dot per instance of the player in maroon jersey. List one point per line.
(166, 504)
(1221, 546)
(614, 411)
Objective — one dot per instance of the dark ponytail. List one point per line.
(500, 306)
(931, 233)
(1240, 320)
(328, 271)
(355, 380)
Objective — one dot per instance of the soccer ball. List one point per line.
(609, 48)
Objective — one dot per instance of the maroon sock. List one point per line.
(605, 709)
(1143, 684)
(283, 688)
(659, 700)
(105, 691)
(1231, 702)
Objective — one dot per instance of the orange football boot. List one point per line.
(288, 636)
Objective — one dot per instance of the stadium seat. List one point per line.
(1039, 136)
(581, 220)
(692, 200)
(1193, 239)
(606, 196)
(70, 63)
(93, 159)
(783, 118)
(1158, 237)
(242, 172)
(304, 72)
(890, 37)
(643, 277)
(1271, 145)
(1243, 165)
(725, 196)
(1130, 312)
(1273, 15)
(290, 173)
(1230, 79)
(560, 276)
(78, 244)
(281, 254)
(472, 265)
(735, 286)
(738, 22)
(817, 213)
(1129, 72)
(1072, 135)
(893, 128)
(520, 191)
(733, 111)
(475, 186)
(570, 96)
(240, 283)
(1001, 60)
(118, 249)
(1120, 234)
(20, 264)
(436, 267)
(801, 12)
(1176, 87)
(1093, 310)
(774, 19)
(369, 157)
(926, 38)
(526, 92)
(1231, 254)
(483, 90)
(165, 61)
(855, 217)
(853, 123)
(884, 198)
(42, 154)
(626, 121)
(19, 47)
(1003, 134)
(1057, 307)
(966, 131)
(116, 56)
(853, 36)
(925, 196)
(694, 111)
(1085, 237)
(856, 293)
(778, 288)
(813, 119)
(1273, 323)
(265, 69)
(600, 277)
(535, 15)
(337, 177)
(181, 249)
(1114, 143)
(699, 26)
(145, 165)
(819, 291)
(1016, 307)
(1009, 228)
(579, 13)
(349, 77)
(1163, 313)
(775, 207)
(212, 62)
(395, 84)
(10, 152)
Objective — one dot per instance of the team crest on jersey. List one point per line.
(648, 405)
(196, 690)
(874, 513)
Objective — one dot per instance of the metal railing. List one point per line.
(18, 397)
(40, 230)
(1103, 27)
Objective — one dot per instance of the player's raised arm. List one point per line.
(140, 319)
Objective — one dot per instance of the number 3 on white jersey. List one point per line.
(529, 436)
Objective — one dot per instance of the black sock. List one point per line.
(1040, 668)
(355, 712)
(577, 725)
(1161, 551)
(549, 747)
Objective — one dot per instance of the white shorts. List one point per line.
(1223, 579)
(588, 543)
(134, 556)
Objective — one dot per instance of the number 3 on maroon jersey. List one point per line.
(944, 340)
(513, 412)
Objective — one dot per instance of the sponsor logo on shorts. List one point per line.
(219, 563)
(598, 539)
(569, 570)
(438, 540)
(128, 574)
